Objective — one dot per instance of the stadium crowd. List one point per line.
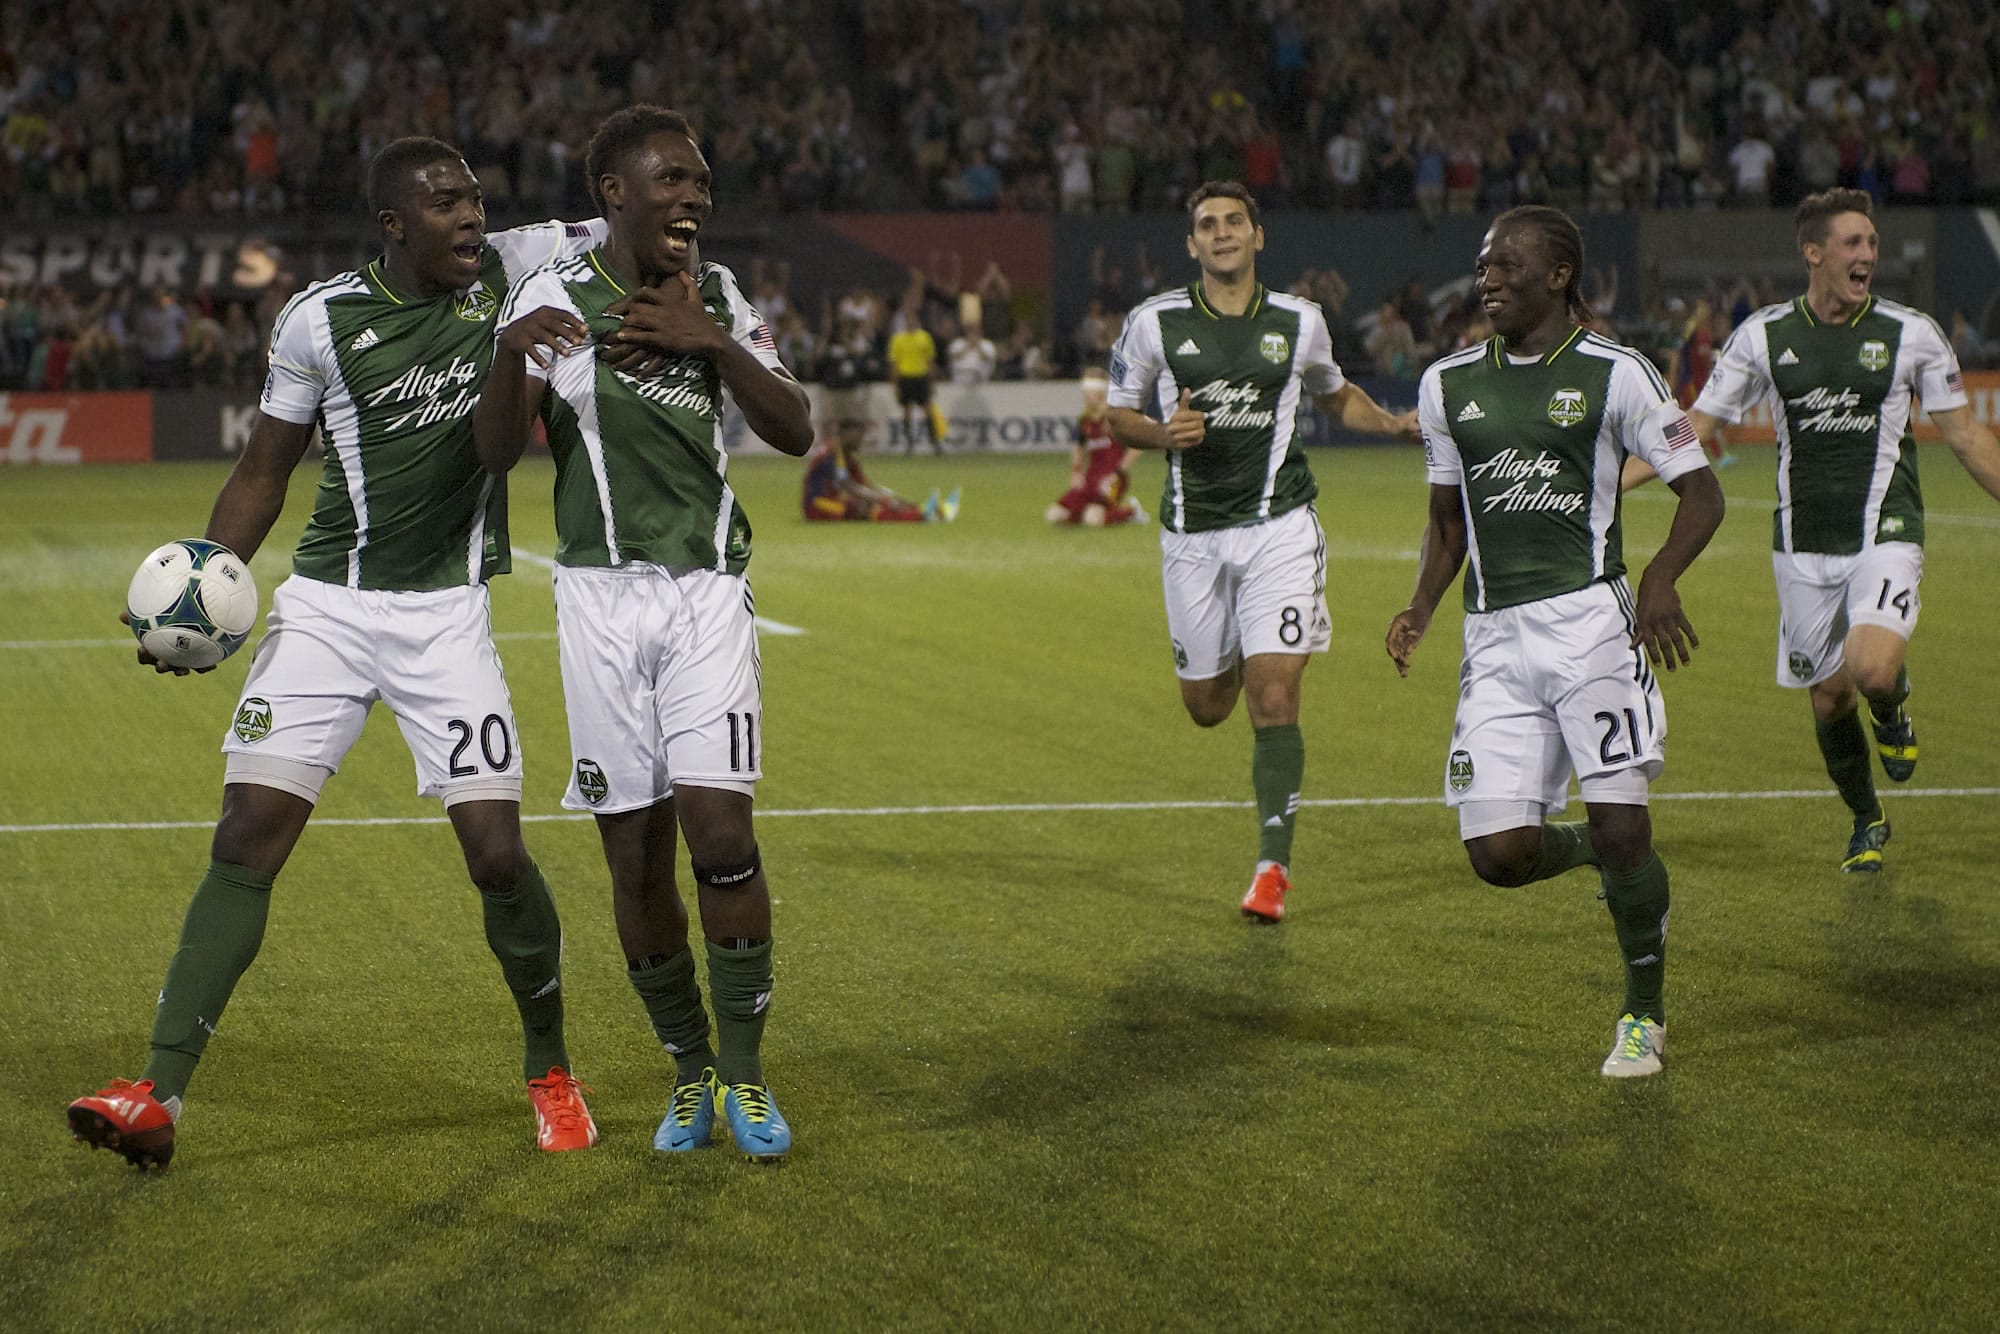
(205, 109)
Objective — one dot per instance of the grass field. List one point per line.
(1041, 1073)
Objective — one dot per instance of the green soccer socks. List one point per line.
(219, 937)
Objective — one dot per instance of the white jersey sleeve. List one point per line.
(1741, 375)
(1140, 380)
(1442, 464)
(1933, 367)
(747, 327)
(524, 249)
(1648, 424)
(299, 353)
(1319, 373)
(539, 288)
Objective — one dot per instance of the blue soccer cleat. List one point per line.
(1864, 850)
(690, 1116)
(755, 1123)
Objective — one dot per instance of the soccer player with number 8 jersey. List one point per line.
(1226, 366)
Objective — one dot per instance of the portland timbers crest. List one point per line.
(591, 782)
(253, 720)
(1274, 348)
(477, 304)
(1875, 355)
(1459, 770)
(1567, 407)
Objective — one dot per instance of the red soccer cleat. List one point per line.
(561, 1119)
(1266, 900)
(127, 1119)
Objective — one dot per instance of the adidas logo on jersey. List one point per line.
(1187, 349)
(1470, 413)
(1788, 358)
(366, 339)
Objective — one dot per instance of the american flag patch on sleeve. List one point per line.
(576, 229)
(1954, 383)
(761, 340)
(1680, 431)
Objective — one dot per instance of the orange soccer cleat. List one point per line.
(561, 1119)
(1266, 900)
(127, 1119)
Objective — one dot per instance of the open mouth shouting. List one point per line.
(680, 237)
(1858, 279)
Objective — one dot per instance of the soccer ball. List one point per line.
(192, 603)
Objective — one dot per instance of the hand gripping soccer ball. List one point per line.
(192, 603)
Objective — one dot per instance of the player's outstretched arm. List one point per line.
(1352, 408)
(253, 497)
(504, 418)
(1973, 445)
(1662, 627)
(1443, 552)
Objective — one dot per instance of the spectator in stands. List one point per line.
(1391, 344)
(160, 329)
(971, 355)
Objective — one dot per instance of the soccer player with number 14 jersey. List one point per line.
(1843, 371)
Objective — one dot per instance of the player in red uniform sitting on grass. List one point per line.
(836, 487)
(1100, 469)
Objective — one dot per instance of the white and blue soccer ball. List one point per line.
(192, 603)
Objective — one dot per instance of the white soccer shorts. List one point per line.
(329, 652)
(661, 682)
(1233, 593)
(1549, 689)
(1821, 598)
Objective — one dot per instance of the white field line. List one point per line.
(764, 623)
(997, 808)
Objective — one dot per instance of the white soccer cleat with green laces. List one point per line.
(1637, 1051)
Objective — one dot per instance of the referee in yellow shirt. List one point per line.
(912, 356)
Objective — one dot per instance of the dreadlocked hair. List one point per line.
(1562, 242)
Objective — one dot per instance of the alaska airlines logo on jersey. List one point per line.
(1228, 405)
(435, 396)
(686, 389)
(1568, 407)
(476, 303)
(1826, 409)
(1512, 466)
(1875, 355)
(1274, 348)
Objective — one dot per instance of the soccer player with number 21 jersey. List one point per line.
(1524, 439)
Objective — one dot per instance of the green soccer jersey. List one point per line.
(1249, 375)
(1842, 400)
(640, 468)
(1536, 445)
(403, 502)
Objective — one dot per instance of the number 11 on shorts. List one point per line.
(742, 742)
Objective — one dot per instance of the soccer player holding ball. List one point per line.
(654, 614)
(387, 601)
(1225, 363)
(1524, 439)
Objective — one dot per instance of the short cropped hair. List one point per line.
(1208, 190)
(1816, 212)
(389, 174)
(621, 134)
